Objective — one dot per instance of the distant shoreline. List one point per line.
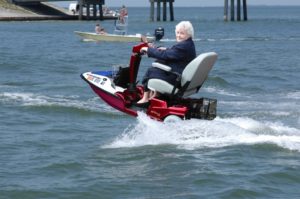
(19, 15)
(12, 12)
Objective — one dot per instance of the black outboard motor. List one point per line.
(159, 33)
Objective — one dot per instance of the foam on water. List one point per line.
(293, 95)
(237, 39)
(174, 40)
(194, 134)
(211, 89)
(38, 100)
(228, 39)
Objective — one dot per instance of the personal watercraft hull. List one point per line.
(121, 91)
(105, 89)
(121, 99)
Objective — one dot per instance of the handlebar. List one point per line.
(137, 48)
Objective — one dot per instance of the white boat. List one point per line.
(113, 37)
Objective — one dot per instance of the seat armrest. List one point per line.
(161, 66)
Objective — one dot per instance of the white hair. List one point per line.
(187, 26)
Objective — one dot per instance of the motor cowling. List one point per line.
(159, 33)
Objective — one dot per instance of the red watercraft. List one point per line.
(121, 91)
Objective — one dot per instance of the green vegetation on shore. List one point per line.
(10, 6)
(7, 5)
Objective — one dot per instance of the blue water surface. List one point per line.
(59, 140)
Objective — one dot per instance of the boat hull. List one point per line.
(114, 100)
(112, 95)
(112, 37)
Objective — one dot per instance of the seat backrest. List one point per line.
(197, 71)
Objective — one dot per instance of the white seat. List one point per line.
(121, 26)
(191, 80)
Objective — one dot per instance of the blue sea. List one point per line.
(59, 140)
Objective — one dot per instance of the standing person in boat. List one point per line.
(177, 57)
(123, 13)
(99, 29)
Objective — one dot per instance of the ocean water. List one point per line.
(59, 140)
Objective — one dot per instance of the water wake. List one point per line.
(237, 39)
(193, 134)
(59, 101)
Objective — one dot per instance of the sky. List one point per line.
(199, 3)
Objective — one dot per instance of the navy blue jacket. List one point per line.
(177, 57)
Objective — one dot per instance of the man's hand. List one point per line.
(144, 50)
(144, 39)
